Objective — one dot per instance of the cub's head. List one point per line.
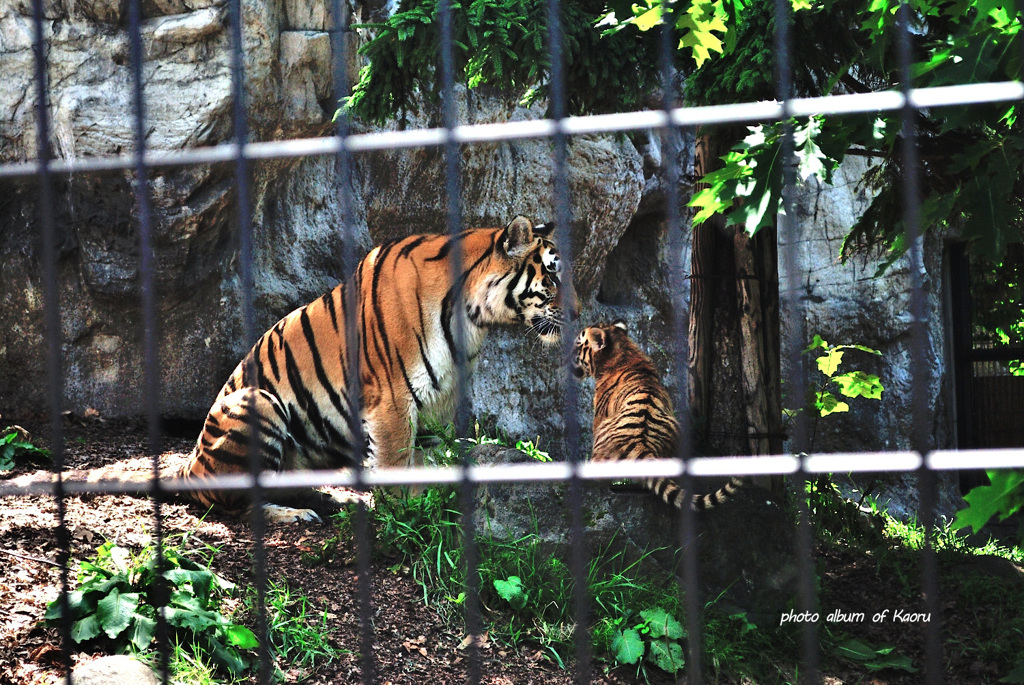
(522, 282)
(595, 343)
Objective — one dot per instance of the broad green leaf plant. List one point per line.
(655, 640)
(116, 600)
(14, 444)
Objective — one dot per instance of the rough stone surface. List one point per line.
(296, 220)
(114, 670)
(847, 304)
(745, 547)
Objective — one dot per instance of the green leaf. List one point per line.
(1004, 496)
(662, 624)
(829, 363)
(80, 603)
(816, 343)
(696, 27)
(627, 647)
(116, 610)
(859, 384)
(142, 632)
(668, 656)
(648, 19)
(856, 650)
(196, 621)
(512, 591)
(812, 160)
(85, 629)
(202, 581)
(874, 658)
(228, 658)
(827, 403)
(240, 636)
(892, 661)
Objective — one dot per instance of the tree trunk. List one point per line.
(757, 274)
(754, 264)
(752, 346)
(700, 322)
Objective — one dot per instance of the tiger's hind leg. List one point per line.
(246, 419)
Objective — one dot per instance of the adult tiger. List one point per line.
(288, 399)
(289, 393)
(633, 415)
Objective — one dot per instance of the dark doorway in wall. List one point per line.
(988, 348)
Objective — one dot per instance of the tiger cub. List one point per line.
(633, 415)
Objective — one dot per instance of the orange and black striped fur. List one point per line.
(290, 392)
(288, 396)
(633, 415)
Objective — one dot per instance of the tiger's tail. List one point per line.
(672, 494)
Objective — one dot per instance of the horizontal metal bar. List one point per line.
(941, 460)
(878, 462)
(861, 462)
(543, 128)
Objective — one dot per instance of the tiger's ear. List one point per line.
(619, 323)
(599, 337)
(545, 229)
(517, 236)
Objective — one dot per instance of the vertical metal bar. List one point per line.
(52, 324)
(151, 380)
(350, 305)
(570, 393)
(245, 269)
(790, 230)
(671, 150)
(467, 492)
(920, 439)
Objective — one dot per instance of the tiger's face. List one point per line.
(526, 285)
(594, 342)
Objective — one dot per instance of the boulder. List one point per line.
(113, 670)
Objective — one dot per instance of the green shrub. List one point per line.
(13, 445)
(118, 594)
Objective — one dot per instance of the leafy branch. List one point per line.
(971, 157)
(503, 44)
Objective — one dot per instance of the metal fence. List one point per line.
(670, 121)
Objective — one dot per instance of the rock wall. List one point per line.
(616, 183)
(846, 303)
(188, 103)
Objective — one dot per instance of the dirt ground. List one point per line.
(412, 644)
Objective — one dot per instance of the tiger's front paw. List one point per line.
(275, 513)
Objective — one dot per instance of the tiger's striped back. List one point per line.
(288, 397)
(633, 414)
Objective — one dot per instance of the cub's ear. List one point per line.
(619, 323)
(544, 230)
(599, 337)
(517, 236)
